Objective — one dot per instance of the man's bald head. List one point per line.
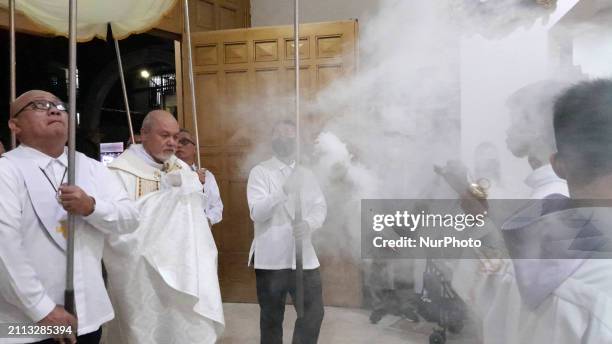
(24, 99)
(155, 117)
(159, 133)
(38, 123)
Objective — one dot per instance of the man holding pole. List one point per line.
(272, 192)
(34, 206)
(186, 151)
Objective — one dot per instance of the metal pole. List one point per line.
(296, 40)
(12, 62)
(194, 112)
(69, 293)
(299, 266)
(123, 88)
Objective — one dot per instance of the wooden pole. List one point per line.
(194, 111)
(124, 89)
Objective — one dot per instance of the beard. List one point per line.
(164, 155)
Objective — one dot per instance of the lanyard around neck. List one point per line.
(50, 182)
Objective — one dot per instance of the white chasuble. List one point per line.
(163, 278)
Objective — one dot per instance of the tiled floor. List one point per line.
(340, 326)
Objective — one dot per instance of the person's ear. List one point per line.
(558, 165)
(12, 123)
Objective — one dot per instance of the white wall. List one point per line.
(280, 12)
(593, 52)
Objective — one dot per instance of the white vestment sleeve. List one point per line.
(114, 213)
(214, 209)
(19, 283)
(598, 332)
(261, 202)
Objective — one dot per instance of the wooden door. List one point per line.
(244, 81)
(208, 15)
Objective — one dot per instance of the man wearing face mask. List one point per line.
(163, 278)
(273, 189)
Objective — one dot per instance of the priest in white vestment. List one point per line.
(163, 278)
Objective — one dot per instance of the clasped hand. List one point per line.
(76, 201)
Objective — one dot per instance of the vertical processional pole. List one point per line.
(194, 112)
(69, 303)
(12, 62)
(299, 266)
(124, 89)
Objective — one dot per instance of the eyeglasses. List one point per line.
(185, 142)
(41, 105)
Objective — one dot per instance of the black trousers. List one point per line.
(90, 338)
(272, 288)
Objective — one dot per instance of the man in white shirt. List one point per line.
(33, 212)
(272, 189)
(186, 151)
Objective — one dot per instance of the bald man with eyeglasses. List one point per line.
(34, 207)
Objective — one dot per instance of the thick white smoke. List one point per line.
(401, 112)
(414, 101)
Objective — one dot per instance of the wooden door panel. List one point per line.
(228, 17)
(207, 15)
(238, 209)
(238, 236)
(236, 279)
(266, 50)
(307, 91)
(327, 73)
(204, 15)
(211, 129)
(206, 54)
(304, 49)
